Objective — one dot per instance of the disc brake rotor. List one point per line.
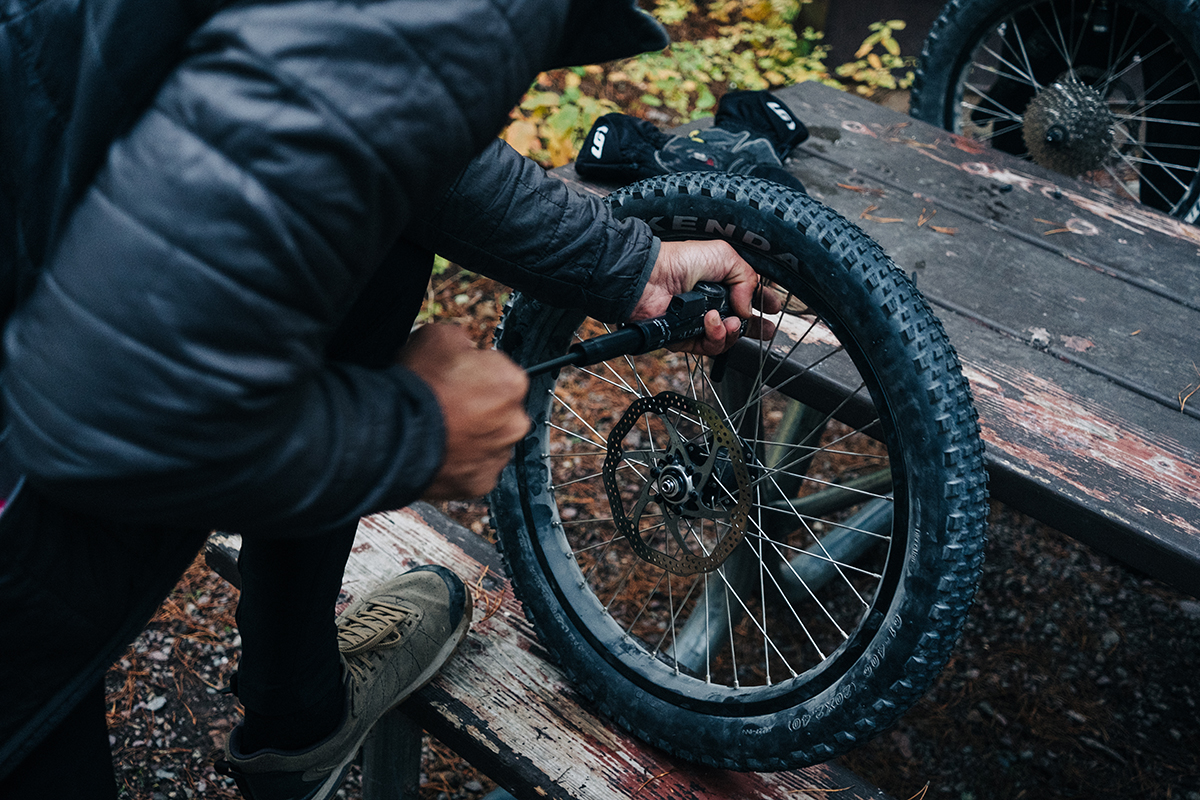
(694, 486)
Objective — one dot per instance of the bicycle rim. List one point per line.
(817, 552)
(1107, 91)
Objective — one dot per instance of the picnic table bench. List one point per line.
(501, 705)
(1076, 316)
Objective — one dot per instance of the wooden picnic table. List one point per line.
(1076, 315)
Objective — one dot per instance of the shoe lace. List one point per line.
(378, 625)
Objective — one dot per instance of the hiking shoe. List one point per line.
(392, 643)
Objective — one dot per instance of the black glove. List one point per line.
(752, 133)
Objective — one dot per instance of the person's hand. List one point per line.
(482, 396)
(678, 268)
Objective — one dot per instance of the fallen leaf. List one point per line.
(522, 136)
(862, 189)
(945, 230)
(1078, 344)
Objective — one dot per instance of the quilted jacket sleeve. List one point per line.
(506, 218)
(169, 364)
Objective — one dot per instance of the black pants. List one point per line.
(290, 584)
(289, 660)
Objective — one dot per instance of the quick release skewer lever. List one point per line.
(684, 320)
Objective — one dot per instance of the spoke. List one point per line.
(1078, 38)
(575, 433)
(575, 453)
(810, 449)
(1142, 183)
(777, 388)
(817, 600)
(601, 440)
(1126, 49)
(1009, 115)
(1026, 78)
(1141, 118)
(557, 486)
(707, 633)
(605, 543)
(1156, 162)
(819, 557)
(1150, 90)
(813, 534)
(646, 604)
(832, 484)
(1165, 168)
(1007, 129)
(588, 425)
(1059, 40)
(1025, 53)
(838, 525)
(745, 610)
(1139, 60)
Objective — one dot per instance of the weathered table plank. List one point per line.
(994, 190)
(503, 707)
(1076, 315)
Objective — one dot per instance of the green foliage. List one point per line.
(760, 50)
(550, 125)
(874, 70)
(673, 12)
(729, 44)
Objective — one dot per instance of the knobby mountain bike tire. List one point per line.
(757, 561)
(1104, 90)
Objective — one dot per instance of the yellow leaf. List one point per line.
(874, 60)
(561, 150)
(571, 80)
(758, 11)
(522, 135)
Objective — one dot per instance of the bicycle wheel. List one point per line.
(758, 561)
(1104, 90)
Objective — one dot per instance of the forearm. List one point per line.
(506, 218)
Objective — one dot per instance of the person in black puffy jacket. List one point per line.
(216, 225)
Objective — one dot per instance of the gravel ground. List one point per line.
(1075, 678)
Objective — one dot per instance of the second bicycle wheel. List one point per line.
(1103, 90)
(757, 561)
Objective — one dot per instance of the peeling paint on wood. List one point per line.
(499, 702)
(1069, 439)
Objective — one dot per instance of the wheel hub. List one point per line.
(698, 483)
(1068, 127)
(675, 484)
